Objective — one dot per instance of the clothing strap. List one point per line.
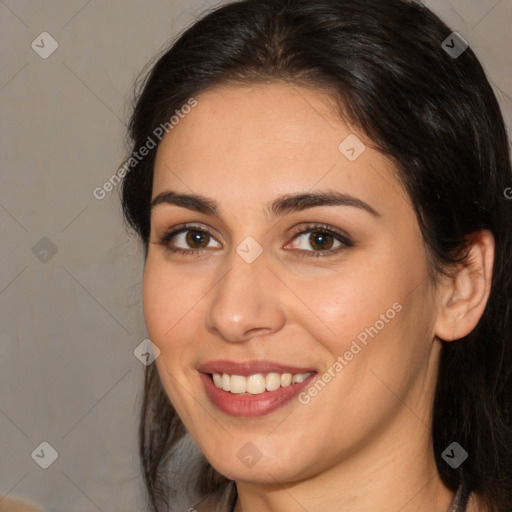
(460, 500)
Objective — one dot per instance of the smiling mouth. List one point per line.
(258, 383)
(263, 388)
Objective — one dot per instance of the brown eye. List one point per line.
(197, 237)
(188, 240)
(318, 240)
(321, 241)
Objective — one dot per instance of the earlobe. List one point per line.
(464, 293)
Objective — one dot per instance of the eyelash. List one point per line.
(318, 228)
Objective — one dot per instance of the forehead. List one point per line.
(260, 140)
(269, 123)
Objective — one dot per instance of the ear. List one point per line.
(464, 294)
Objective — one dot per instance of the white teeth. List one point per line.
(257, 383)
(217, 379)
(286, 379)
(299, 377)
(226, 382)
(272, 381)
(238, 384)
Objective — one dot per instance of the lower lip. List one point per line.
(251, 405)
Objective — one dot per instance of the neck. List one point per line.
(398, 474)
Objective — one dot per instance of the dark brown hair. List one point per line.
(435, 116)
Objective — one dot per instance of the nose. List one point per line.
(245, 303)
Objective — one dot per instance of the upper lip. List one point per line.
(247, 368)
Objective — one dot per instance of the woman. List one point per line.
(319, 190)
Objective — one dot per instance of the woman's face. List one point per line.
(338, 288)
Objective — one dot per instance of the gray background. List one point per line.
(69, 321)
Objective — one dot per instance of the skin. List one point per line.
(364, 442)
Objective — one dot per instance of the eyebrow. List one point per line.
(283, 204)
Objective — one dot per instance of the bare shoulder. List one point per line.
(8, 504)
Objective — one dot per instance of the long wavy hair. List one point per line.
(435, 116)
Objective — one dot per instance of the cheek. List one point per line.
(168, 299)
(155, 299)
(343, 304)
(369, 317)
(168, 313)
(172, 305)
